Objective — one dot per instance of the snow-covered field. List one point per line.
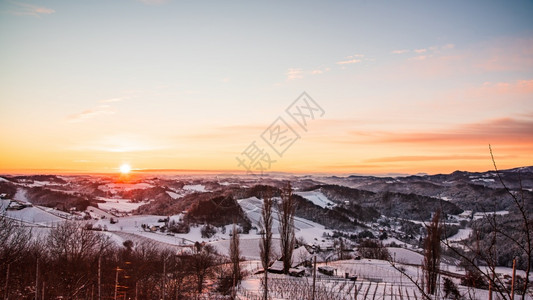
(463, 234)
(317, 198)
(195, 187)
(481, 215)
(376, 279)
(249, 247)
(35, 215)
(174, 195)
(122, 205)
(308, 230)
(124, 186)
(406, 256)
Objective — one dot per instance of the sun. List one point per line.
(125, 168)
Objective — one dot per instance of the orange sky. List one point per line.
(404, 87)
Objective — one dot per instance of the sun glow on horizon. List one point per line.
(125, 168)
(418, 99)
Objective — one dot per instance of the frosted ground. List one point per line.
(376, 278)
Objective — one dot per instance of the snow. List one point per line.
(481, 215)
(130, 223)
(38, 183)
(174, 195)
(311, 232)
(483, 179)
(195, 187)
(463, 234)
(97, 213)
(124, 186)
(2, 179)
(160, 240)
(249, 247)
(406, 256)
(20, 195)
(375, 279)
(317, 198)
(305, 229)
(33, 215)
(299, 255)
(122, 205)
(465, 214)
(396, 241)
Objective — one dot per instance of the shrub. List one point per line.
(208, 231)
(450, 289)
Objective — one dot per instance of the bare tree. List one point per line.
(432, 253)
(286, 210)
(265, 246)
(481, 256)
(235, 257)
(201, 263)
(373, 249)
(72, 247)
(145, 259)
(14, 240)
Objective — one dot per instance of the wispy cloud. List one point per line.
(350, 61)
(103, 109)
(511, 131)
(25, 9)
(294, 73)
(412, 158)
(519, 87)
(424, 53)
(90, 113)
(402, 51)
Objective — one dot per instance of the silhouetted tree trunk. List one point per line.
(286, 210)
(235, 255)
(201, 263)
(432, 253)
(265, 246)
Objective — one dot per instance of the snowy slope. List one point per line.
(34, 215)
(195, 187)
(249, 247)
(174, 195)
(310, 231)
(123, 205)
(406, 256)
(317, 198)
(463, 234)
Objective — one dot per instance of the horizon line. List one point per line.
(237, 172)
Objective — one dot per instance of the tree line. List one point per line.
(72, 262)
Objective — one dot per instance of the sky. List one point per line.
(391, 87)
